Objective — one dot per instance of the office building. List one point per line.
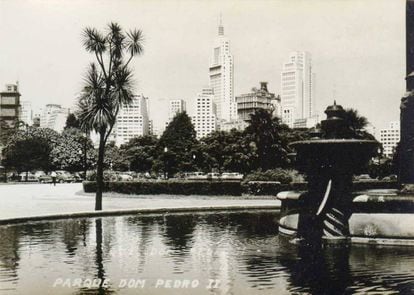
(132, 120)
(260, 98)
(389, 138)
(205, 120)
(54, 116)
(10, 105)
(221, 78)
(297, 90)
(175, 107)
(26, 114)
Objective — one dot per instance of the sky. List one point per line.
(357, 48)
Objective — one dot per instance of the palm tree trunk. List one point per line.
(99, 172)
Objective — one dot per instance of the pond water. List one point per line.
(206, 253)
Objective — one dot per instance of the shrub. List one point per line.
(109, 175)
(233, 188)
(280, 175)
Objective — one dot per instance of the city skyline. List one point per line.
(359, 56)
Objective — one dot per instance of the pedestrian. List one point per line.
(53, 175)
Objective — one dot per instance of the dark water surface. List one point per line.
(220, 253)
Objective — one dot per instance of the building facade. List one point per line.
(221, 78)
(175, 107)
(10, 107)
(297, 90)
(205, 120)
(260, 98)
(389, 138)
(132, 120)
(54, 116)
(26, 114)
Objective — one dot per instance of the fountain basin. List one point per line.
(347, 154)
(381, 217)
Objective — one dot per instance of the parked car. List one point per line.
(77, 177)
(364, 177)
(42, 177)
(213, 175)
(231, 176)
(28, 176)
(13, 176)
(125, 177)
(195, 175)
(64, 176)
(391, 177)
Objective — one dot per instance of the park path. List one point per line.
(28, 200)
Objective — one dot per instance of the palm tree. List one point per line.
(357, 124)
(108, 85)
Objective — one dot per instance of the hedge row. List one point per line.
(233, 188)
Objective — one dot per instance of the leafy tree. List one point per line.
(66, 150)
(69, 151)
(50, 135)
(227, 151)
(379, 168)
(241, 156)
(213, 146)
(141, 152)
(8, 130)
(27, 154)
(264, 134)
(108, 85)
(114, 159)
(176, 144)
(72, 122)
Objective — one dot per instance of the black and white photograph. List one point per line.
(200, 147)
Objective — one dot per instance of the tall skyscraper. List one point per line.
(297, 87)
(221, 78)
(204, 120)
(53, 116)
(132, 120)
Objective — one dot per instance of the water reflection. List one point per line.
(9, 253)
(238, 253)
(74, 233)
(317, 270)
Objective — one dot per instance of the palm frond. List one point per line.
(94, 41)
(122, 90)
(134, 44)
(116, 40)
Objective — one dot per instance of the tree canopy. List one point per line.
(265, 135)
(72, 121)
(176, 144)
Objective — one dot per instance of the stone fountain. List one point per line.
(331, 210)
(329, 160)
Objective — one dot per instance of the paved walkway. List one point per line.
(27, 200)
